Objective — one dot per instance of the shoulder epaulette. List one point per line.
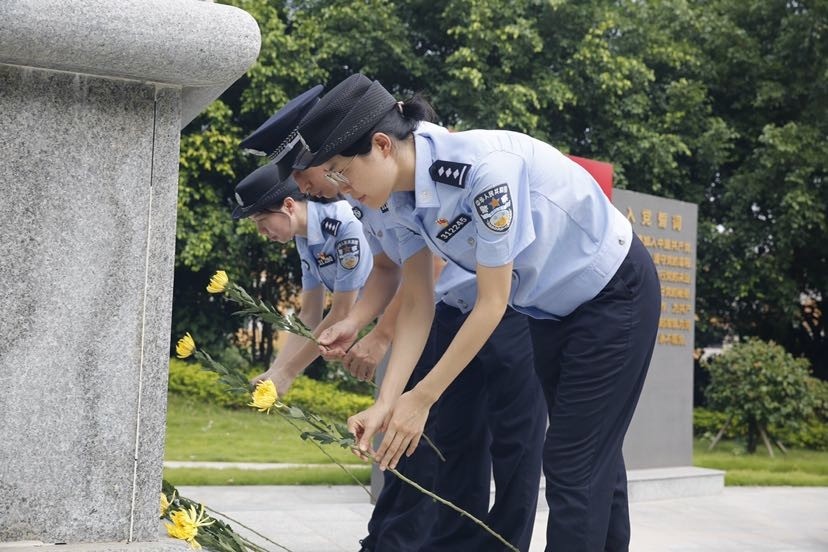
(330, 226)
(449, 172)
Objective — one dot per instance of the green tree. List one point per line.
(765, 268)
(759, 386)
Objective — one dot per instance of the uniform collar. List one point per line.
(315, 235)
(425, 190)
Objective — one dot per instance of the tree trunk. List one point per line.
(766, 441)
(752, 434)
(721, 433)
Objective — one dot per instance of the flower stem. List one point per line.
(434, 447)
(334, 460)
(247, 541)
(461, 511)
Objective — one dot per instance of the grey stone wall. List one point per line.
(661, 431)
(91, 102)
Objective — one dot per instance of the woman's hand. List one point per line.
(362, 359)
(404, 428)
(363, 425)
(337, 339)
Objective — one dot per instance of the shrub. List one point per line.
(324, 398)
(189, 380)
(759, 386)
(813, 434)
(707, 423)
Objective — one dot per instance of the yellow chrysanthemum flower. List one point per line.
(165, 505)
(185, 347)
(185, 524)
(264, 396)
(218, 283)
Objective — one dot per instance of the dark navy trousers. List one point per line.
(592, 366)
(403, 516)
(490, 421)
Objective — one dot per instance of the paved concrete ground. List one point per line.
(740, 519)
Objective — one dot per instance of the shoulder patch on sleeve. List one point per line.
(330, 226)
(347, 251)
(357, 212)
(494, 206)
(449, 172)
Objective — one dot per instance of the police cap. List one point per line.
(277, 137)
(340, 118)
(268, 185)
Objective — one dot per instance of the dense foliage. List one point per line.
(188, 379)
(759, 387)
(717, 102)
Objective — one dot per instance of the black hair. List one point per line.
(400, 122)
(277, 204)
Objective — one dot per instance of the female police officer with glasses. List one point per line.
(541, 237)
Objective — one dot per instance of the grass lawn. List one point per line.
(207, 433)
(200, 432)
(332, 475)
(800, 468)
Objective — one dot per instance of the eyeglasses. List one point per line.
(338, 177)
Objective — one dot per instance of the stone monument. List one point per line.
(93, 94)
(658, 448)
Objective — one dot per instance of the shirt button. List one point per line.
(621, 241)
(379, 233)
(471, 241)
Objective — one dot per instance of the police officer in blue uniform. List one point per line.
(490, 398)
(402, 516)
(542, 237)
(332, 250)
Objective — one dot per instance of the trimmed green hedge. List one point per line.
(189, 380)
(323, 398)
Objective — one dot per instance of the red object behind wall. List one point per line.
(600, 171)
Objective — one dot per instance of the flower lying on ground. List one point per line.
(165, 504)
(190, 522)
(186, 522)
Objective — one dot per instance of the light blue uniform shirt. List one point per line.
(335, 252)
(491, 197)
(455, 287)
(381, 238)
